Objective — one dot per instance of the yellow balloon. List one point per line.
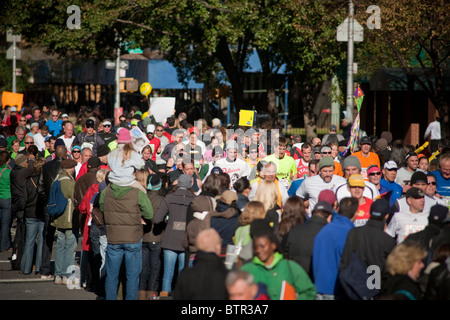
(145, 89)
(144, 115)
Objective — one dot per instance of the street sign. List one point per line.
(110, 64)
(10, 53)
(342, 31)
(10, 37)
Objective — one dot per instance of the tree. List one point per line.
(414, 34)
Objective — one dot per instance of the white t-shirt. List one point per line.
(403, 175)
(370, 191)
(235, 169)
(282, 189)
(405, 223)
(312, 186)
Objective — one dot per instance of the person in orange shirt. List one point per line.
(326, 151)
(366, 157)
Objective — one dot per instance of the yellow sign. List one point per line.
(246, 118)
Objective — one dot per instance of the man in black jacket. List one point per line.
(300, 240)
(49, 172)
(20, 172)
(371, 244)
(206, 279)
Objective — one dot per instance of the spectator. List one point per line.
(241, 285)
(404, 265)
(388, 181)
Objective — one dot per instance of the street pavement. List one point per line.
(15, 286)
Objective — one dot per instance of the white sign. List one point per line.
(110, 64)
(138, 138)
(10, 53)
(342, 31)
(10, 37)
(162, 108)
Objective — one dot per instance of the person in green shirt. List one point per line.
(272, 269)
(286, 167)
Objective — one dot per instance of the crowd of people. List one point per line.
(181, 210)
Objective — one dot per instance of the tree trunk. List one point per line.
(235, 77)
(308, 93)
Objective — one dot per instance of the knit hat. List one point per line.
(326, 162)
(327, 195)
(3, 143)
(94, 162)
(59, 142)
(216, 122)
(387, 135)
(379, 207)
(381, 144)
(351, 161)
(184, 181)
(154, 182)
(356, 180)
(20, 159)
(124, 136)
(68, 163)
(102, 150)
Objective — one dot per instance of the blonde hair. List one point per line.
(252, 210)
(127, 149)
(142, 177)
(402, 258)
(101, 174)
(267, 194)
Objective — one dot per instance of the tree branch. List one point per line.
(141, 26)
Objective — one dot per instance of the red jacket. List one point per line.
(85, 208)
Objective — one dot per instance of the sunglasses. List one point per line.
(375, 174)
(23, 120)
(326, 152)
(253, 152)
(160, 130)
(29, 142)
(76, 151)
(107, 125)
(432, 183)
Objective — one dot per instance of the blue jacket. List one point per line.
(328, 247)
(397, 190)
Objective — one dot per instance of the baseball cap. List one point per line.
(438, 213)
(106, 123)
(379, 207)
(365, 140)
(415, 193)
(65, 115)
(418, 176)
(389, 165)
(90, 123)
(324, 206)
(13, 109)
(356, 180)
(328, 196)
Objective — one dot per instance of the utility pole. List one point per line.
(349, 100)
(117, 76)
(13, 53)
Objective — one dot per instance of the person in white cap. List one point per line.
(155, 143)
(388, 181)
(106, 134)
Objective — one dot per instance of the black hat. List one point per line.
(94, 162)
(59, 142)
(418, 176)
(415, 193)
(438, 213)
(379, 207)
(90, 123)
(68, 163)
(103, 150)
(324, 206)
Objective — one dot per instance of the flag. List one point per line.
(353, 141)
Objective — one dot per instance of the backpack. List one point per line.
(57, 203)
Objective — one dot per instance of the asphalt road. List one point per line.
(14, 286)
